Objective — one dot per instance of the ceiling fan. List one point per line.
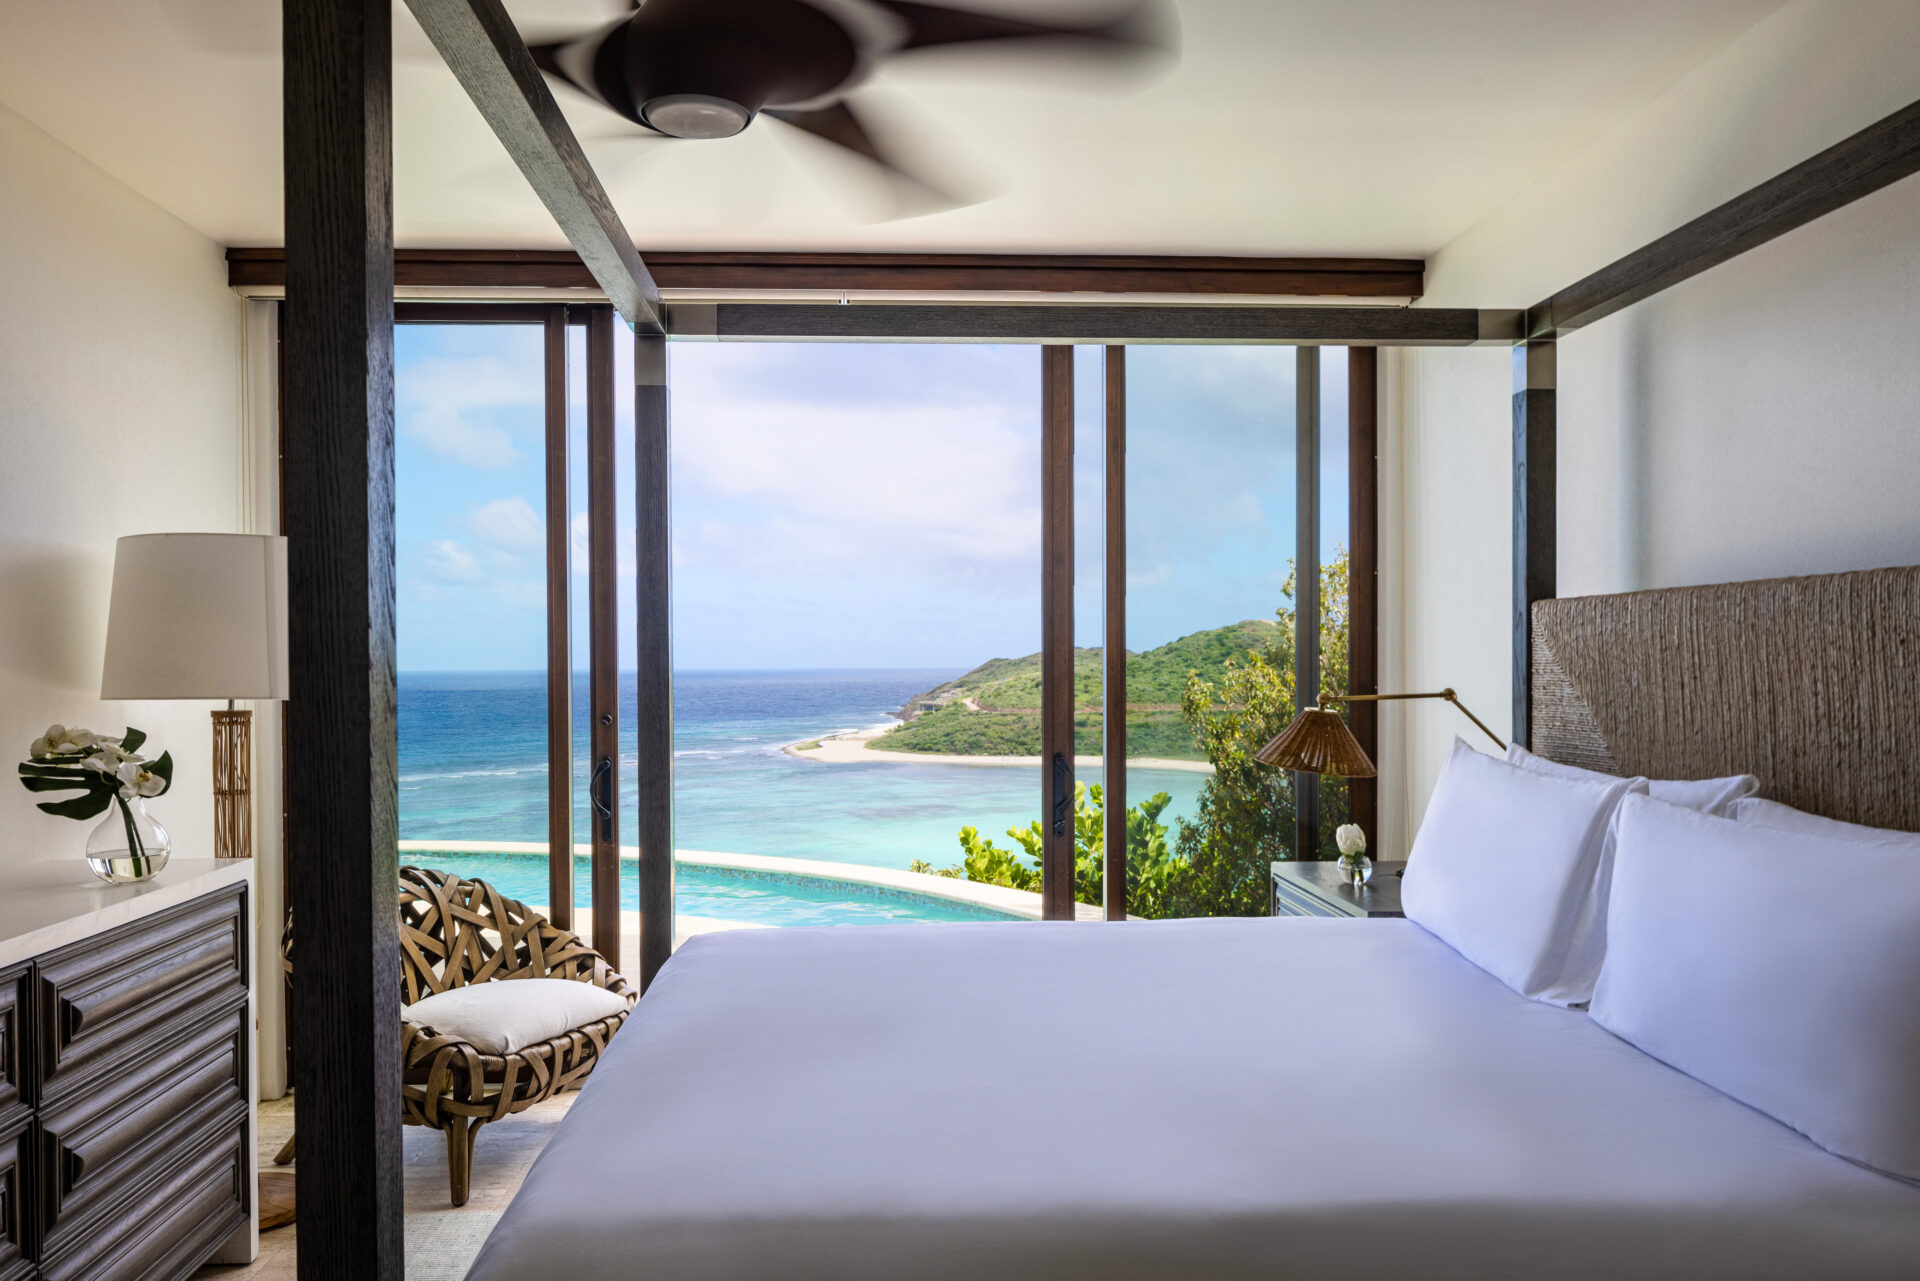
(696, 70)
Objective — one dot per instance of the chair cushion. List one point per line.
(511, 1014)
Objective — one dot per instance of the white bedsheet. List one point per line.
(1289, 1098)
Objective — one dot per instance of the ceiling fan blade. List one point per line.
(1142, 28)
(836, 123)
(591, 64)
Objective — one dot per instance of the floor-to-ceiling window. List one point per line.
(858, 600)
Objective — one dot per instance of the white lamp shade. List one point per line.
(197, 616)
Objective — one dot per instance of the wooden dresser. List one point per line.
(126, 1073)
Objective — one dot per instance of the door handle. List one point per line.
(600, 790)
(1062, 793)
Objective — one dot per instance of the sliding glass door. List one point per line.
(508, 474)
(856, 618)
(1233, 505)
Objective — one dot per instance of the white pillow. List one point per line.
(1788, 819)
(511, 1014)
(1708, 795)
(1507, 871)
(1777, 967)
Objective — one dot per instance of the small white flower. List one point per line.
(61, 741)
(137, 780)
(1350, 839)
(110, 751)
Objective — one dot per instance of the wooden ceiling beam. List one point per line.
(491, 61)
(1877, 156)
(1087, 323)
(894, 272)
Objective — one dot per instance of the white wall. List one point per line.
(119, 414)
(1758, 420)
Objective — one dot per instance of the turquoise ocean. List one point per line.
(473, 767)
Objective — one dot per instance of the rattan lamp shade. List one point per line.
(1319, 742)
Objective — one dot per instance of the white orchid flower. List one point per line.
(137, 780)
(61, 741)
(1350, 839)
(110, 751)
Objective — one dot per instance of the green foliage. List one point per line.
(1245, 818)
(995, 708)
(1148, 859)
(1217, 864)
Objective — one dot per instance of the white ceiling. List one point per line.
(1364, 127)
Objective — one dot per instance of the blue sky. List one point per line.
(841, 505)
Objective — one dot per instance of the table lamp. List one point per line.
(203, 616)
(1319, 742)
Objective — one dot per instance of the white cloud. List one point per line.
(447, 432)
(446, 560)
(510, 524)
(816, 489)
(447, 403)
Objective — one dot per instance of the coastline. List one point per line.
(851, 748)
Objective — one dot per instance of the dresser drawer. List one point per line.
(1290, 900)
(14, 1037)
(102, 1002)
(166, 1226)
(96, 1148)
(15, 1151)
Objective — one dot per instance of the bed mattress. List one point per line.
(1292, 1098)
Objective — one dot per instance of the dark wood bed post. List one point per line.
(1534, 520)
(1056, 632)
(338, 479)
(1363, 572)
(1306, 584)
(653, 716)
(1113, 684)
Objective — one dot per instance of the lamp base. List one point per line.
(233, 783)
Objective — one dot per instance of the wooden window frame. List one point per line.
(556, 320)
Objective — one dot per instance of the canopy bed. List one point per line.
(1315, 1098)
(796, 1103)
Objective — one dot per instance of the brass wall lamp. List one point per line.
(1319, 742)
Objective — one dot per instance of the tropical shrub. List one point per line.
(1217, 864)
(1147, 853)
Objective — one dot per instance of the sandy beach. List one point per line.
(852, 749)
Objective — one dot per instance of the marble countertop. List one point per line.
(51, 903)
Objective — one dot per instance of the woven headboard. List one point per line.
(1813, 684)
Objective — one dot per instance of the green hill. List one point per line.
(994, 709)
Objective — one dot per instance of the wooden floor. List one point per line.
(441, 1240)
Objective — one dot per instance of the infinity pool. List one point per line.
(750, 897)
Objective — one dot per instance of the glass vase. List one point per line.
(128, 846)
(1356, 869)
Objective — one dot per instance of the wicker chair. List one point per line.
(456, 932)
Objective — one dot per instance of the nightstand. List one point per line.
(1318, 889)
